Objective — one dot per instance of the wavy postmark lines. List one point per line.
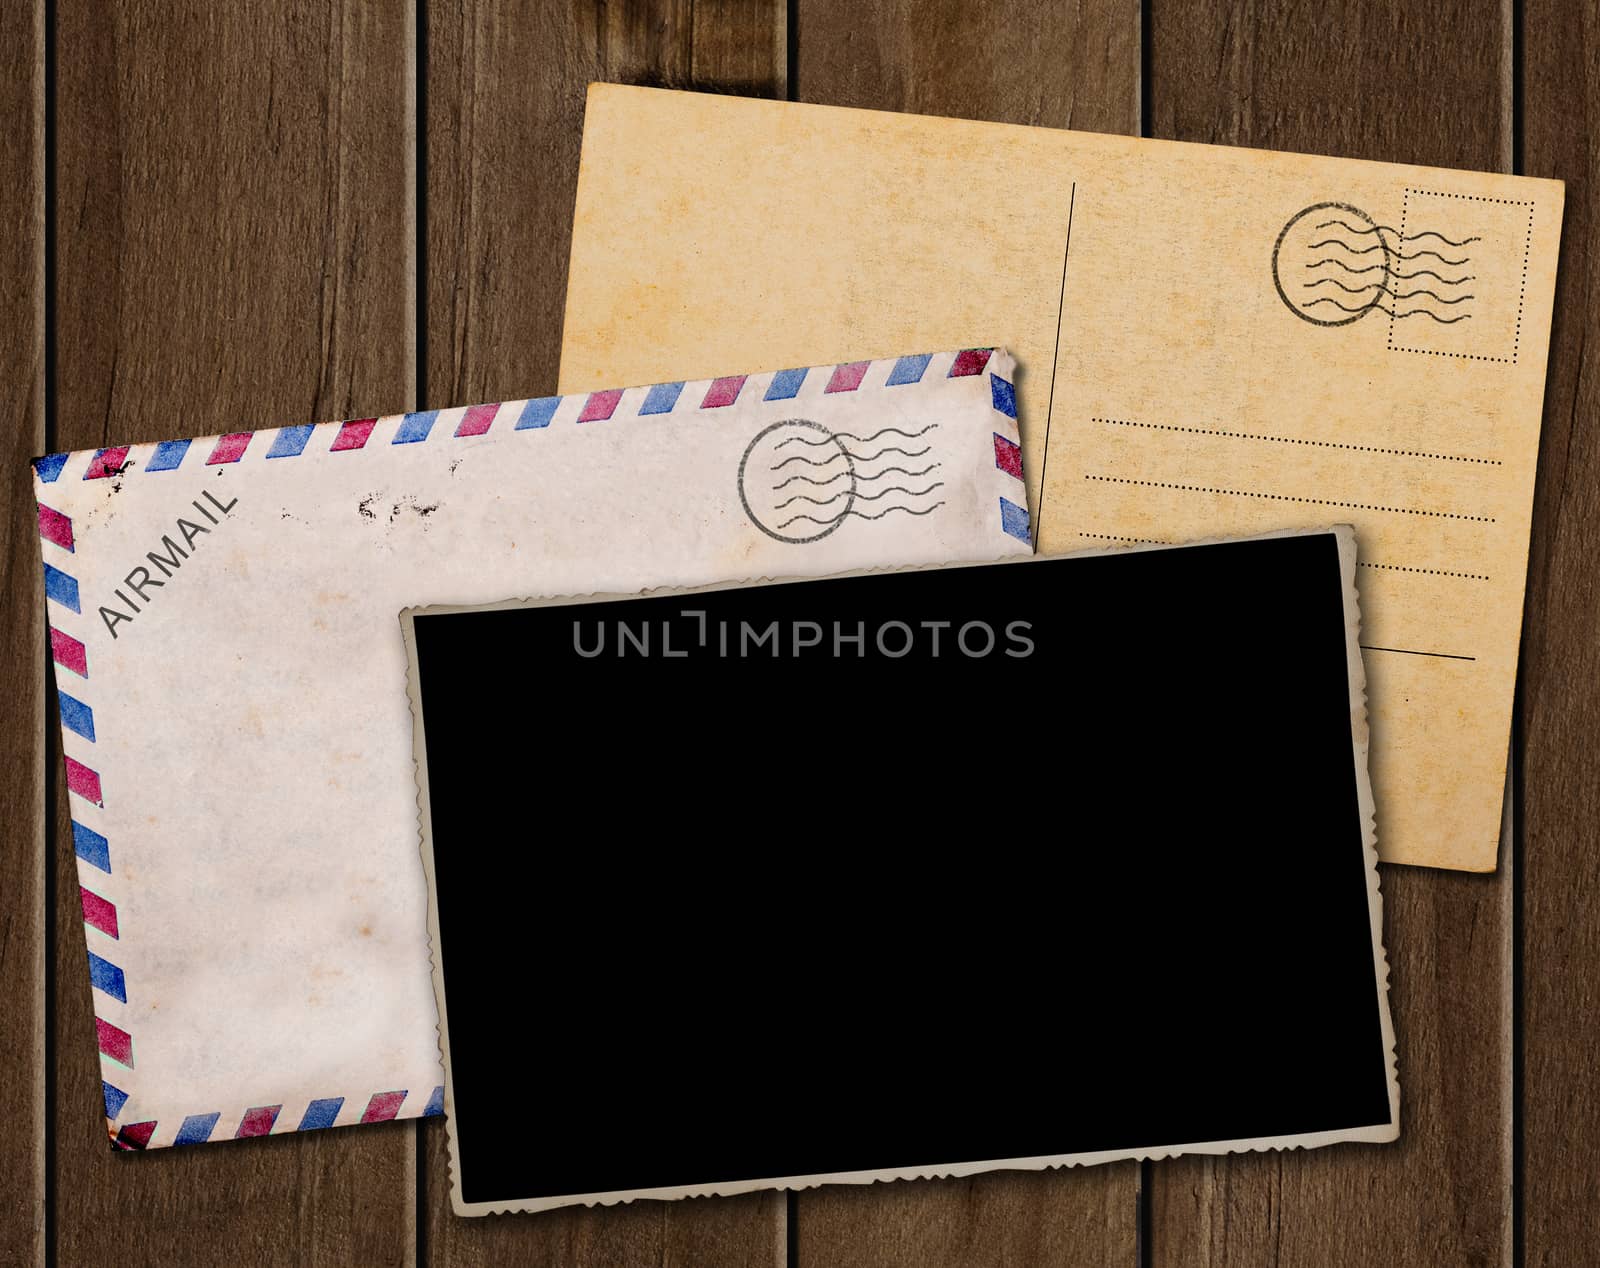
(1333, 264)
(799, 482)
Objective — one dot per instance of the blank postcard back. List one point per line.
(1212, 341)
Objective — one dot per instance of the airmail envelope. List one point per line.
(233, 695)
(1216, 341)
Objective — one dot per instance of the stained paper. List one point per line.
(1216, 341)
(231, 678)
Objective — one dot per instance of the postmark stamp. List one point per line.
(1333, 264)
(799, 481)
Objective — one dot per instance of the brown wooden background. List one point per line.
(224, 216)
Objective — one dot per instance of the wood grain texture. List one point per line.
(505, 87)
(234, 247)
(739, 1232)
(1426, 84)
(1087, 1216)
(1561, 669)
(1015, 62)
(504, 98)
(234, 243)
(22, 746)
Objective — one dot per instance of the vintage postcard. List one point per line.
(788, 909)
(1215, 341)
(238, 750)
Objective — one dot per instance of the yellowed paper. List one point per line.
(1212, 341)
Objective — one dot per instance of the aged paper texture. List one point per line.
(1212, 340)
(222, 616)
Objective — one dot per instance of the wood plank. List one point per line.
(1017, 61)
(1069, 66)
(22, 786)
(1426, 84)
(1420, 83)
(234, 244)
(504, 107)
(1561, 670)
(1086, 1216)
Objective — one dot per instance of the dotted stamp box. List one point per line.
(1459, 275)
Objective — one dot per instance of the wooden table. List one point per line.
(220, 216)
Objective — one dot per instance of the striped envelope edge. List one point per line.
(237, 745)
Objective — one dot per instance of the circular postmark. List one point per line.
(1331, 264)
(797, 481)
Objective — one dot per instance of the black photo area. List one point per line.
(836, 906)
